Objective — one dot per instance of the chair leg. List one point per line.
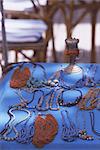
(53, 44)
(16, 56)
(40, 55)
(93, 48)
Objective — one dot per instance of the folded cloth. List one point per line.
(23, 30)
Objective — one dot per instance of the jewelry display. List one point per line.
(41, 97)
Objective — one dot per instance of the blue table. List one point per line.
(8, 98)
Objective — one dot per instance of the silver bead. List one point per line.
(8, 139)
(52, 84)
(49, 81)
(12, 139)
(5, 138)
(55, 81)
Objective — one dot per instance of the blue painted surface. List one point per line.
(8, 97)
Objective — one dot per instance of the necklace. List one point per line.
(91, 96)
(92, 118)
(33, 84)
(70, 133)
(9, 127)
(24, 102)
(86, 80)
(82, 133)
(69, 104)
(90, 74)
(41, 100)
(98, 104)
(52, 99)
(25, 134)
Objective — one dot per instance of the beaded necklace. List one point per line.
(25, 134)
(38, 106)
(98, 104)
(69, 104)
(92, 119)
(92, 96)
(82, 133)
(41, 100)
(9, 126)
(86, 80)
(24, 102)
(33, 84)
(90, 75)
(52, 98)
(70, 133)
(49, 101)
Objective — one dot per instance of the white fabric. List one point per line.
(23, 30)
(20, 5)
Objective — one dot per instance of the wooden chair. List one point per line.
(46, 14)
(26, 34)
